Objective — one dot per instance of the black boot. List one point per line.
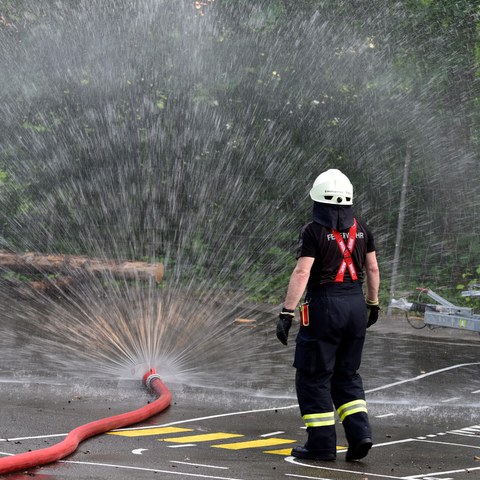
(303, 452)
(358, 450)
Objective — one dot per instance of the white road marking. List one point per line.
(182, 445)
(143, 469)
(452, 399)
(200, 465)
(474, 430)
(365, 474)
(435, 478)
(463, 434)
(424, 440)
(138, 451)
(476, 391)
(272, 434)
(416, 409)
(385, 415)
(394, 442)
(211, 417)
(303, 476)
(419, 377)
(430, 475)
(33, 438)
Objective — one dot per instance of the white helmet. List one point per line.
(332, 187)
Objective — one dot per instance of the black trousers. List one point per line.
(327, 358)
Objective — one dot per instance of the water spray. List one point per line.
(36, 458)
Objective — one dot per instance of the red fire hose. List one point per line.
(23, 461)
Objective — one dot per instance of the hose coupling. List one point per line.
(150, 379)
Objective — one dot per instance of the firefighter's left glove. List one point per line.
(373, 310)
(284, 323)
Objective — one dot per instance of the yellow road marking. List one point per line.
(205, 437)
(150, 431)
(266, 442)
(285, 452)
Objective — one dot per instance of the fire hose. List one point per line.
(56, 452)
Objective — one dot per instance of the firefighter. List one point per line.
(336, 255)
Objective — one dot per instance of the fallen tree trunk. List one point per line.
(33, 263)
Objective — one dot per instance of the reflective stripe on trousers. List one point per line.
(319, 419)
(350, 408)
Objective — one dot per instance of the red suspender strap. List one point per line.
(346, 250)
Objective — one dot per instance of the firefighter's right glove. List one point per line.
(373, 310)
(284, 323)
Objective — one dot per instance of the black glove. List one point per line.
(373, 310)
(284, 323)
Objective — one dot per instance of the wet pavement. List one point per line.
(423, 393)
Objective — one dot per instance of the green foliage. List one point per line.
(35, 128)
(146, 130)
(471, 280)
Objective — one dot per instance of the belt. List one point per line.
(335, 290)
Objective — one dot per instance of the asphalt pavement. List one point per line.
(423, 394)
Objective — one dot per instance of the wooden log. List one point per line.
(33, 262)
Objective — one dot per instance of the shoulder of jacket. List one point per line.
(313, 226)
(307, 225)
(363, 226)
(361, 222)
